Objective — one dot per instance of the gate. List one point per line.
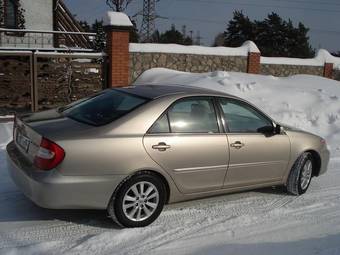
(32, 80)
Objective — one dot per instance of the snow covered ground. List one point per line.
(265, 221)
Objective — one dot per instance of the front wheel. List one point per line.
(138, 201)
(301, 174)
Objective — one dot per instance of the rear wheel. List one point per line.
(301, 174)
(138, 201)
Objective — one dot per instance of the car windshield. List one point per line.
(103, 108)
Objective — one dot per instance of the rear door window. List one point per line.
(193, 115)
(104, 108)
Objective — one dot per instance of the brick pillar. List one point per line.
(254, 62)
(117, 50)
(328, 70)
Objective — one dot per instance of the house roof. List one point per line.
(65, 21)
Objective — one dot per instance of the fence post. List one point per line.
(254, 62)
(328, 70)
(117, 27)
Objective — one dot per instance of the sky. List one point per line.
(210, 17)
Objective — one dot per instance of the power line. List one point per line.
(220, 22)
(260, 5)
(305, 2)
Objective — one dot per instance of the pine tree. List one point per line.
(134, 36)
(99, 41)
(172, 36)
(219, 40)
(336, 54)
(240, 29)
(274, 36)
(2, 15)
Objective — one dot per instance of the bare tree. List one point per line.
(118, 5)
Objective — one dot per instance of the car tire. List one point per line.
(138, 201)
(300, 175)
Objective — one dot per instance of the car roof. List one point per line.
(155, 91)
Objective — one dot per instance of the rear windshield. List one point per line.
(103, 108)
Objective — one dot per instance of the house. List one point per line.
(39, 24)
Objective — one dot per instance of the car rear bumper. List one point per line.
(56, 191)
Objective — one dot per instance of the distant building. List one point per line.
(33, 24)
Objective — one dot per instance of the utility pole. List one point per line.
(198, 38)
(148, 23)
(184, 31)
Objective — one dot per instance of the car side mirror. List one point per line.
(278, 129)
(266, 130)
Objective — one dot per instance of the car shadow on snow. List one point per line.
(18, 208)
(328, 244)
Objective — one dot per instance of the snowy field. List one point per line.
(265, 221)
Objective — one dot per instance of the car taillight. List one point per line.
(49, 155)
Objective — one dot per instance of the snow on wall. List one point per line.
(247, 47)
(322, 57)
(117, 19)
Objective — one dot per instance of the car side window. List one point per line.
(193, 115)
(160, 126)
(242, 118)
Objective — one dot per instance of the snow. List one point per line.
(265, 221)
(322, 57)
(247, 47)
(82, 54)
(117, 19)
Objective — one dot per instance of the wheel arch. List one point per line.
(152, 172)
(316, 161)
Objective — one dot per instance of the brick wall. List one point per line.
(254, 65)
(118, 57)
(328, 70)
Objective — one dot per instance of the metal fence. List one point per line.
(43, 39)
(34, 80)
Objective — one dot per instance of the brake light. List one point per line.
(49, 155)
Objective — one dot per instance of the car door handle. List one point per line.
(161, 147)
(237, 145)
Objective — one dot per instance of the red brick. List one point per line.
(254, 63)
(328, 70)
(118, 57)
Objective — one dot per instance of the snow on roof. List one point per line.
(247, 47)
(322, 57)
(117, 19)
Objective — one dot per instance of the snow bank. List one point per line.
(5, 134)
(117, 19)
(308, 102)
(247, 47)
(322, 57)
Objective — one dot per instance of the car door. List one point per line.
(186, 141)
(257, 154)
